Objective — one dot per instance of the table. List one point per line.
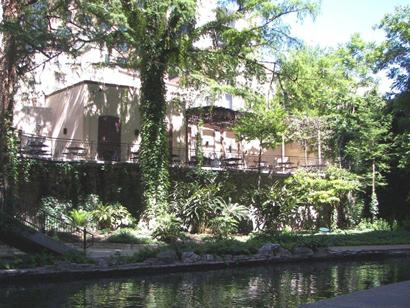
(75, 151)
(232, 162)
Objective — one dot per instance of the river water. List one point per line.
(279, 285)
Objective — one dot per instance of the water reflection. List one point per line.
(266, 286)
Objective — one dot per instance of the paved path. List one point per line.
(336, 249)
(396, 295)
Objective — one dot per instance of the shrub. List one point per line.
(112, 217)
(90, 202)
(56, 207)
(375, 225)
(80, 217)
(168, 227)
(228, 216)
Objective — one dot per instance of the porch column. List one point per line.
(283, 154)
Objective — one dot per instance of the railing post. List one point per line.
(84, 239)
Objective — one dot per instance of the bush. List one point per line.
(108, 216)
(80, 217)
(168, 228)
(90, 202)
(375, 225)
(56, 207)
(228, 216)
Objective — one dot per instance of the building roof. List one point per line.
(213, 115)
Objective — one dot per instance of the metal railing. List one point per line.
(52, 225)
(244, 160)
(62, 149)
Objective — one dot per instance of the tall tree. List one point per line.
(11, 10)
(264, 123)
(393, 56)
(168, 36)
(32, 32)
(337, 85)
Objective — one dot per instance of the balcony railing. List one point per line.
(62, 149)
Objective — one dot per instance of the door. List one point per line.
(109, 138)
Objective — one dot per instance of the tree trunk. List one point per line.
(154, 154)
(319, 148)
(259, 164)
(8, 82)
(305, 152)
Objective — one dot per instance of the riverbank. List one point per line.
(171, 261)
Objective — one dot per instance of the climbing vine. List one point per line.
(154, 154)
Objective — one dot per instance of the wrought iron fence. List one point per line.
(52, 225)
(62, 149)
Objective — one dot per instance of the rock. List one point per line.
(190, 257)
(102, 262)
(208, 258)
(322, 252)
(241, 258)
(227, 258)
(167, 256)
(282, 252)
(268, 249)
(153, 261)
(303, 251)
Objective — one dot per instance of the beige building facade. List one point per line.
(97, 121)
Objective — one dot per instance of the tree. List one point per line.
(393, 56)
(32, 32)
(165, 36)
(264, 123)
(11, 10)
(338, 87)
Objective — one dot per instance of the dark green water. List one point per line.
(282, 285)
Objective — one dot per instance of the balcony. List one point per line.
(61, 149)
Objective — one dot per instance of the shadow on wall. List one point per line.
(123, 102)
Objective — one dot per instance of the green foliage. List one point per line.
(128, 236)
(90, 202)
(374, 206)
(325, 193)
(80, 217)
(375, 225)
(195, 203)
(56, 208)
(394, 52)
(306, 201)
(228, 216)
(333, 91)
(264, 122)
(112, 216)
(168, 228)
(77, 257)
(200, 204)
(161, 37)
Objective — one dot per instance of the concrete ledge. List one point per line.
(70, 271)
(396, 295)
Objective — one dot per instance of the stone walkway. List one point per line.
(396, 295)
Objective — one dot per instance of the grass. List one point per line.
(42, 259)
(129, 236)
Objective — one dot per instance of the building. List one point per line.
(97, 121)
